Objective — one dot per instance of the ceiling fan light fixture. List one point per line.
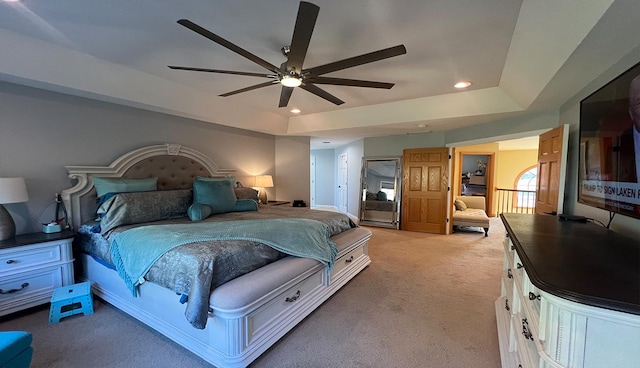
(290, 81)
(462, 84)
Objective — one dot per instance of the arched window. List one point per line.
(526, 186)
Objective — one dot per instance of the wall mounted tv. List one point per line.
(609, 166)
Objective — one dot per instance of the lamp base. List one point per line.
(262, 196)
(7, 226)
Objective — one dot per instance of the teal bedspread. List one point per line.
(134, 251)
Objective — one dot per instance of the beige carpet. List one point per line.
(425, 301)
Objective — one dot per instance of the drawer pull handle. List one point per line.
(533, 296)
(349, 260)
(14, 290)
(506, 304)
(525, 330)
(519, 265)
(10, 261)
(513, 247)
(509, 273)
(293, 298)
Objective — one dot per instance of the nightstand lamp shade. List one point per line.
(12, 190)
(263, 181)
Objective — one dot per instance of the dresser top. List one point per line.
(34, 238)
(582, 262)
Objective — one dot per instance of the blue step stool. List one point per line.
(70, 300)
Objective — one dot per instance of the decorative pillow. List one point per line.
(243, 205)
(372, 196)
(198, 212)
(460, 205)
(246, 193)
(216, 193)
(115, 185)
(382, 196)
(141, 207)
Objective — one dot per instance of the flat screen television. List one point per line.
(608, 175)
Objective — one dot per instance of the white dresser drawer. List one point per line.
(269, 315)
(21, 258)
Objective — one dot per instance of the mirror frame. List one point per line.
(393, 221)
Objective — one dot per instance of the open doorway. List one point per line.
(474, 173)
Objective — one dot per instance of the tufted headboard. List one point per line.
(175, 166)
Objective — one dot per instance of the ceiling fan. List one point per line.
(291, 73)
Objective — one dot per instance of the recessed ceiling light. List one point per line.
(296, 111)
(462, 84)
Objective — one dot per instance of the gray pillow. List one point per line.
(141, 207)
(246, 193)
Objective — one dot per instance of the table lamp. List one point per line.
(12, 190)
(263, 181)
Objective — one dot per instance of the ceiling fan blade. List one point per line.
(221, 41)
(285, 95)
(250, 88)
(350, 82)
(249, 74)
(305, 22)
(358, 60)
(321, 93)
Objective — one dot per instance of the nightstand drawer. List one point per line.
(30, 285)
(20, 258)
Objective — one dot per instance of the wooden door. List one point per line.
(425, 182)
(552, 162)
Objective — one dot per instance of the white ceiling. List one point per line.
(521, 56)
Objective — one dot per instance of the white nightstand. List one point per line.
(31, 267)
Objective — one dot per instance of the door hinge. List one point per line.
(449, 157)
(447, 219)
(448, 189)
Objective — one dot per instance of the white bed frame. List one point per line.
(250, 313)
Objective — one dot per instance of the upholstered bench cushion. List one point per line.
(249, 289)
(15, 349)
(472, 217)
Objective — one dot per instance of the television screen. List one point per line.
(609, 164)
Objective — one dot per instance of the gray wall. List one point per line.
(325, 176)
(41, 132)
(292, 179)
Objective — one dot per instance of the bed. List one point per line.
(228, 316)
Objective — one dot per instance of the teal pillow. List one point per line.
(198, 212)
(216, 193)
(115, 185)
(243, 205)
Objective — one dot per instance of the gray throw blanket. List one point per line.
(134, 251)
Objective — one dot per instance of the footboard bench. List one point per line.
(247, 314)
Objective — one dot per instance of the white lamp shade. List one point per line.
(264, 181)
(13, 190)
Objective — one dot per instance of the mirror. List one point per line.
(380, 191)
